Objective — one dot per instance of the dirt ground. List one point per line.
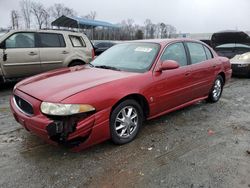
(204, 145)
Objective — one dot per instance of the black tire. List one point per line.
(129, 123)
(75, 63)
(215, 94)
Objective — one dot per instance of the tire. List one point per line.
(125, 121)
(75, 63)
(216, 90)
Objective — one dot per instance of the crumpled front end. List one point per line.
(77, 132)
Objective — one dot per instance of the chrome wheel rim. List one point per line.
(126, 122)
(217, 89)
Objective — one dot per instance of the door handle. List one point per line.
(187, 73)
(214, 66)
(32, 53)
(65, 52)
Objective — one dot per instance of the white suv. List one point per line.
(25, 53)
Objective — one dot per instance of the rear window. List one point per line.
(197, 52)
(51, 40)
(77, 41)
(233, 45)
(208, 53)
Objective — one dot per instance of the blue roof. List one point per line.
(78, 22)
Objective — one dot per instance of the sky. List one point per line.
(188, 16)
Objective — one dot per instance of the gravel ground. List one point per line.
(204, 145)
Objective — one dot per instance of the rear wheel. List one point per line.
(125, 121)
(216, 90)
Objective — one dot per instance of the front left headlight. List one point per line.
(59, 109)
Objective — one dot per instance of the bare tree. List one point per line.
(59, 9)
(91, 15)
(152, 31)
(26, 12)
(148, 25)
(172, 31)
(39, 12)
(47, 18)
(139, 34)
(36, 10)
(15, 19)
(130, 28)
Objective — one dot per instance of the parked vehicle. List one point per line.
(112, 96)
(230, 43)
(25, 53)
(102, 45)
(241, 65)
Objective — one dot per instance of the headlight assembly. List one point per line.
(245, 57)
(58, 109)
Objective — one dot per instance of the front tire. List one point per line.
(216, 90)
(125, 121)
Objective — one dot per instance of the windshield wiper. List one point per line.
(91, 65)
(107, 67)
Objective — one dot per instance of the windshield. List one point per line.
(233, 45)
(133, 57)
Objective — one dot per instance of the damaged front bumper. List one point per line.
(77, 132)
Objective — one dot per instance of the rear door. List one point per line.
(53, 50)
(202, 66)
(174, 87)
(22, 55)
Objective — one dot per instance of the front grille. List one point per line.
(23, 105)
(240, 70)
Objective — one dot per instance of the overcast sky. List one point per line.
(188, 16)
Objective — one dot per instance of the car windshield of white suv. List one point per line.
(132, 57)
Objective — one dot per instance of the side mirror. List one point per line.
(169, 65)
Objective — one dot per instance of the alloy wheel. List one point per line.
(126, 121)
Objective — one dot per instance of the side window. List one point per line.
(77, 41)
(197, 52)
(175, 52)
(21, 40)
(51, 40)
(208, 53)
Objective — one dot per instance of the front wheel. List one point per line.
(216, 90)
(125, 121)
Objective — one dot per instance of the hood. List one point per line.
(226, 37)
(54, 86)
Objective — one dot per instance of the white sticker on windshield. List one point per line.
(143, 49)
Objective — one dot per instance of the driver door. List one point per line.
(23, 57)
(173, 87)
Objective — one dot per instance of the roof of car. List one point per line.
(166, 41)
(47, 31)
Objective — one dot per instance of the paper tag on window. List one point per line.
(143, 49)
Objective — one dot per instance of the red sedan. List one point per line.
(112, 96)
